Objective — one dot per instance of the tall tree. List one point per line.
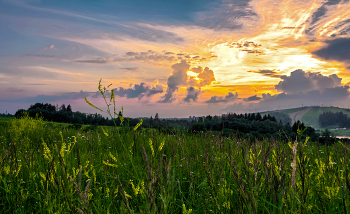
(156, 118)
(63, 108)
(258, 116)
(69, 108)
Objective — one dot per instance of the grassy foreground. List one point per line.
(44, 170)
(49, 170)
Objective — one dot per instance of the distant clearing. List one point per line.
(295, 116)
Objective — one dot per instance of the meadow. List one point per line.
(50, 169)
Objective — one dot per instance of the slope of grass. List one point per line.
(284, 111)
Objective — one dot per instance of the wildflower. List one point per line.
(201, 155)
(250, 162)
(107, 161)
(181, 165)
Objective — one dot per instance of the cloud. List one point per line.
(132, 69)
(335, 96)
(149, 56)
(138, 91)
(53, 98)
(49, 47)
(52, 70)
(337, 49)
(177, 78)
(46, 56)
(252, 98)
(247, 46)
(226, 15)
(192, 94)
(300, 81)
(205, 75)
(219, 99)
(94, 61)
(321, 11)
(268, 73)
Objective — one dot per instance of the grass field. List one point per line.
(143, 171)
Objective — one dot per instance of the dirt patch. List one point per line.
(295, 116)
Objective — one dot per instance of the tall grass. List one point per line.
(47, 170)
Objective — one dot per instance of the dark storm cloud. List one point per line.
(138, 91)
(252, 98)
(300, 81)
(219, 99)
(192, 94)
(337, 49)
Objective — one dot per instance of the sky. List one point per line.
(175, 58)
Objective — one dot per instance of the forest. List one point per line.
(339, 118)
(253, 126)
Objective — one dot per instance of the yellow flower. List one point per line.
(62, 149)
(109, 164)
(185, 211)
(127, 195)
(115, 159)
(47, 152)
(139, 124)
(161, 145)
(104, 132)
(150, 144)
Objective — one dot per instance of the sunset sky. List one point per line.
(175, 58)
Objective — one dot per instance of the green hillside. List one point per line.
(309, 116)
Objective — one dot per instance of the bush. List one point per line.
(197, 127)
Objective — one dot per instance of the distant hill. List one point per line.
(309, 116)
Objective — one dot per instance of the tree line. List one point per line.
(245, 125)
(66, 115)
(330, 118)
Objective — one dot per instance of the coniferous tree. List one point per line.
(63, 108)
(258, 116)
(69, 108)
